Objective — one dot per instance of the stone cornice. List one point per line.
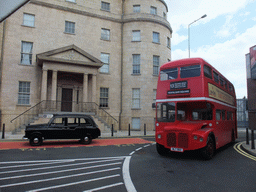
(164, 4)
(127, 18)
(48, 57)
(145, 17)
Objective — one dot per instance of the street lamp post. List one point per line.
(189, 33)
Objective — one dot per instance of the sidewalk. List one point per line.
(18, 137)
(248, 149)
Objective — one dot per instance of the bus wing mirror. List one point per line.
(153, 105)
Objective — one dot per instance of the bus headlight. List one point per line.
(201, 139)
(159, 136)
(195, 137)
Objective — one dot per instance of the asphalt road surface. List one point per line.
(135, 166)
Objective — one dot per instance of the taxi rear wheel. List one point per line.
(86, 139)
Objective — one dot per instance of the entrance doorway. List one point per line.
(66, 101)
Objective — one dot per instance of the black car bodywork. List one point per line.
(63, 126)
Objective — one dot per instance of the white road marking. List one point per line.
(65, 160)
(104, 187)
(126, 175)
(54, 172)
(69, 165)
(57, 178)
(75, 183)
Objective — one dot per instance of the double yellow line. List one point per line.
(238, 148)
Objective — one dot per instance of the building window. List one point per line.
(135, 35)
(28, 20)
(26, 53)
(136, 64)
(73, 1)
(168, 42)
(136, 123)
(105, 6)
(136, 8)
(156, 62)
(154, 97)
(69, 27)
(156, 37)
(164, 15)
(136, 98)
(103, 97)
(24, 93)
(105, 34)
(104, 57)
(153, 10)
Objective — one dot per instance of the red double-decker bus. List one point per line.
(195, 108)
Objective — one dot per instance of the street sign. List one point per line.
(8, 7)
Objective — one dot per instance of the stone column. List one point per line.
(54, 86)
(44, 85)
(54, 91)
(94, 87)
(85, 88)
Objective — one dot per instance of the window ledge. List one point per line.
(136, 108)
(23, 105)
(104, 107)
(29, 65)
(69, 33)
(105, 39)
(158, 43)
(105, 10)
(136, 41)
(104, 73)
(136, 74)
(28, 26)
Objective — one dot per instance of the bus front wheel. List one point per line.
(209, 150)
(162, 150)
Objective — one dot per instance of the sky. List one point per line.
(222, 38)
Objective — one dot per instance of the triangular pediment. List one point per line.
(69, 55)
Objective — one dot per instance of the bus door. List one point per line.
(221, 129)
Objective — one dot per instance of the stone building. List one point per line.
(101, 57)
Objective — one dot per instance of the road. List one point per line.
(135, 166)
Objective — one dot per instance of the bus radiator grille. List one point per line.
(183, 140)
(171, 139)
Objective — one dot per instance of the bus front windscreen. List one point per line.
(166, 112)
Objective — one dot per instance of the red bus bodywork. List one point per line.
(194, 102)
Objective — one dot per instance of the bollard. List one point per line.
(3, 131)
(145, 133)
(129, 130)
(253, 146)
(247, 136)
(112, 130)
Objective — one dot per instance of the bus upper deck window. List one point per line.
(221, 81)
(169, 74)
(190, 71)
(207, 72)
(216, 77)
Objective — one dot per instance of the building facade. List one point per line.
(75, 55)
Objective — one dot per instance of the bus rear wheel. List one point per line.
(162, 150)
(209, 150)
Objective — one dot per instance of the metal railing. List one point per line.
(51, 107)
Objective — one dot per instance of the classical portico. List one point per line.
(69, 77)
